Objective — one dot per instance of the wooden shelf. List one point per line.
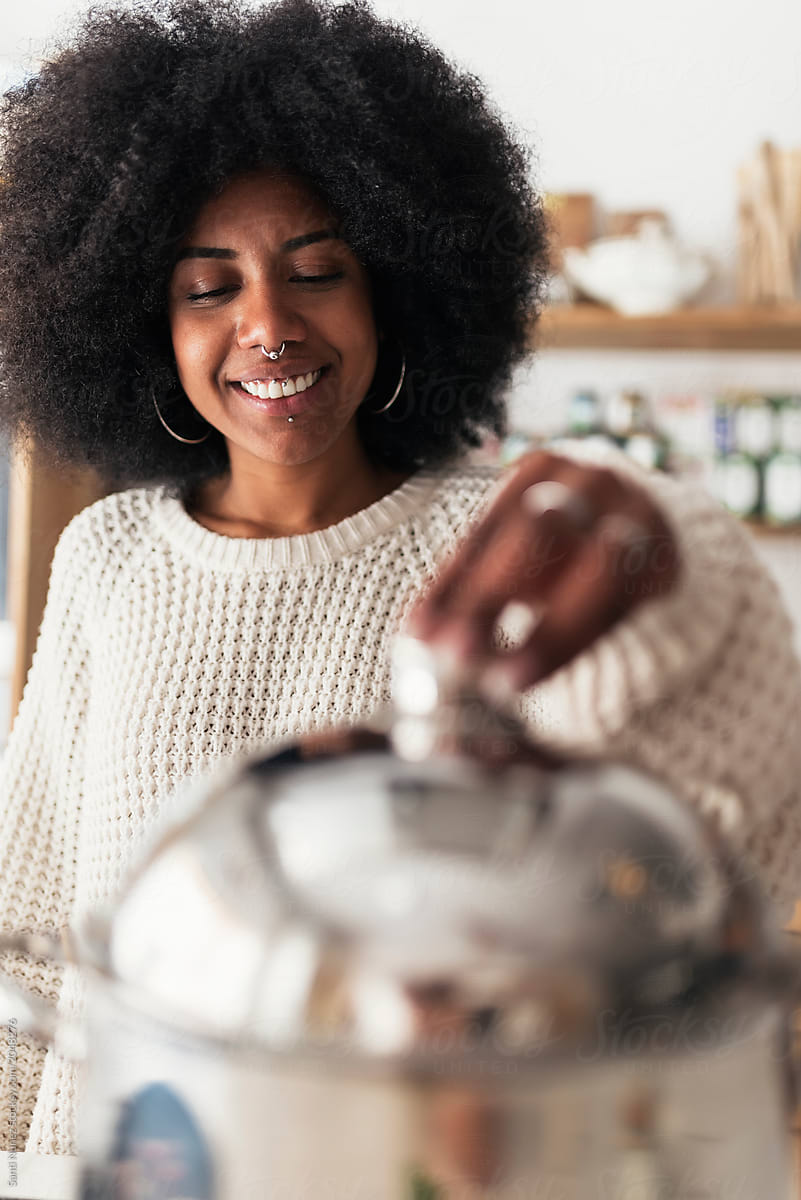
(763, 529)
(593, 326)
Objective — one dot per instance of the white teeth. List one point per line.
(273, 390)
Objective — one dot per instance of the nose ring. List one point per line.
(273, 354)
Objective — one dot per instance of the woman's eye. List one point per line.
(317, 278)
(221, 291)
(207, 295)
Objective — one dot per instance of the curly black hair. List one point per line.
(146, 112)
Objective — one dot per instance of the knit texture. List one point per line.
(166, 648)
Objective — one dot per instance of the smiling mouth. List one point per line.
(275, 389)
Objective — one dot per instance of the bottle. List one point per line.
(736, 475)
(782, 471)
(754, 426)
(622, 414)
(584, 420)
(685, 420)
(630, 423)
(584, 415)
(737, 483)
(724, 439)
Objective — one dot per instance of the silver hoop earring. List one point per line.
(273, 354)
(177, 436)
(375, 411)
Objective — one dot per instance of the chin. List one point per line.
(293, 443)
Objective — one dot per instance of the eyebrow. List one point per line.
(295, 243)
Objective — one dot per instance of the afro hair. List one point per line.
(145, 112)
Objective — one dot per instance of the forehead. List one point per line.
(268, 202)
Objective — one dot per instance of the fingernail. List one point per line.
(450, 653)
(499, 683)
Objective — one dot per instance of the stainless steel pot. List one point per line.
(444, 970)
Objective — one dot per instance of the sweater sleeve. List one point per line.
(40, 803)
(701, 686)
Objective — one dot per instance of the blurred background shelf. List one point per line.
(593, 326)
(763, 530)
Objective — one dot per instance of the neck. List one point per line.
(260, 499)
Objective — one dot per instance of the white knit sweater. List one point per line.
(166, 647)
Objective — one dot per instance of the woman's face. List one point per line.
(261, 265)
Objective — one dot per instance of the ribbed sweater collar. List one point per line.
(217, 550)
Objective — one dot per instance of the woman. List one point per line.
(269, 272)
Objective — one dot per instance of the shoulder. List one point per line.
(459, 494)
(111, 529)
(463, 488)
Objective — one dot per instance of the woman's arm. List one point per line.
(697, 680)
(40, 803)
(702, 686)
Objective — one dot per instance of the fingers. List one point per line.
(588, 598)
(577, 543)
(331, 743)
(523, 561)
(511, 548)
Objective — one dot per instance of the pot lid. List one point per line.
(369, 902)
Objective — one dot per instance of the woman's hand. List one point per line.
(577, 544)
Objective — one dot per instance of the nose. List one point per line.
(267, 317)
